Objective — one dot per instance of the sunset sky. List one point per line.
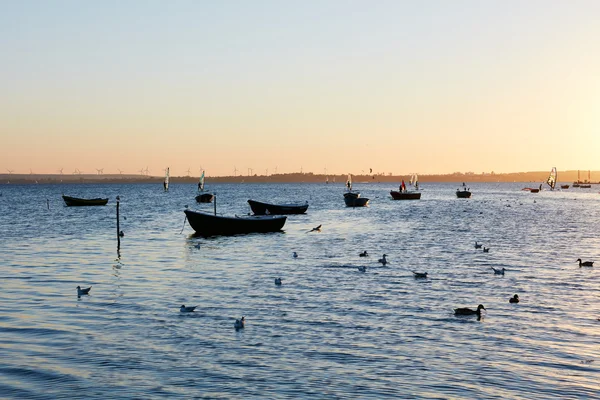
(397, 86)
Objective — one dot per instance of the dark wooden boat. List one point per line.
(74, 201)
(564, 186)
(405, 195)
(532, 190)
(209, 224)
(356, 201)
(259, 208)
(585, 186)
(205, 198)
(463, 194)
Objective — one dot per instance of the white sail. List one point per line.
(551, 181)
(201, 182)
(166, 183)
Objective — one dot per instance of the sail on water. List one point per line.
(201, 182)
(551, 181)
(166, 182)
(349, 182)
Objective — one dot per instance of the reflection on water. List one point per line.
(329, 330)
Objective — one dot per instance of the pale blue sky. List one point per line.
(389, 85)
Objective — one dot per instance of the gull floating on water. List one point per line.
(498, 271)
(363, 254)
(514, 299)
(383, 260)
(420, 274)
(278, 281)
(362, 269)
(239, 323)
(81, 291)
(477, 246)
(183, 308)
(585, 263)
(486, 249)
(468, 311)
(295, 255)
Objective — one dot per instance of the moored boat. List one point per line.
(463, 194)
(396, 195)
(75, 201)
(260, 208)
(205, 198)
(564, 186)
(352, 201)
(209, 224)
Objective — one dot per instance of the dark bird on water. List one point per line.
(486, 249)
(477, 246)
(239, 323)
(362, 269)
(363, 254)
(121, 234)
(81, 291)
(585, 263)
(317, 229)
(278, 281)
(498, 271)
(420, 275)
(468, 311)
(514, 299)
(183, 308)
(383, 260)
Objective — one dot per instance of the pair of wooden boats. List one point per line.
(353, 199)
(78, 202)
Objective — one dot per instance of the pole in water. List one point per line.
(118, 227)
(215, 202)
(48, 203)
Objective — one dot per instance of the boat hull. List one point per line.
(208, 224)
(77, 202)
(564, 186)
(405, 195)
(356, 201)
(205, 198)
(259, 208)
(464, 194)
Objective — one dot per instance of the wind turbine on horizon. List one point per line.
(188, 172)
(235, 170)
(100, 171)
(120, 172)
(60, 171)
(10, 171)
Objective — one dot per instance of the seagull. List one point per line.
(383, 260)
(514, 299)
(239, 323)
(477, 246)
(362, 269)
(317, 229)
(187, 309)
(468, 311)
(363, 254)
(81, 291)
(585, 264)
(498, 271)
(295, 255)
(420, 274)
(278, 281)
(486, 249)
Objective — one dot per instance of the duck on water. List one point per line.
(469, 311)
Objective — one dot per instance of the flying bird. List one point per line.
(317, 229)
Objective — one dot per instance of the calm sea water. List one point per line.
(329, 331)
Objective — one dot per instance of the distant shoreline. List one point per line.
(537, 177)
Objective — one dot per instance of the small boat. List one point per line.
(585, 186)
(463, 194)
(166, 181)
(74, 201)
(209, 224)
(259, 208)
(564, 186)
(396, 195)
(353, 199)
(203, 197)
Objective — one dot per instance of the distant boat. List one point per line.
(203, 197)
(77, 202)
(166, 182)
(353, 199)
(564, 186)
(551, 181)
(463, 194)
(208, 224)
(259, 208)
(403, 194)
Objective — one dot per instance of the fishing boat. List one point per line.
(353, 199)
(403, 194)
(463, 194)
(166, 181)
(207, 224)
(260, 208)
(551, 181)
(203, 197)
(77, 202)
(564, 186)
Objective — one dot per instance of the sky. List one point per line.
(337, 86)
